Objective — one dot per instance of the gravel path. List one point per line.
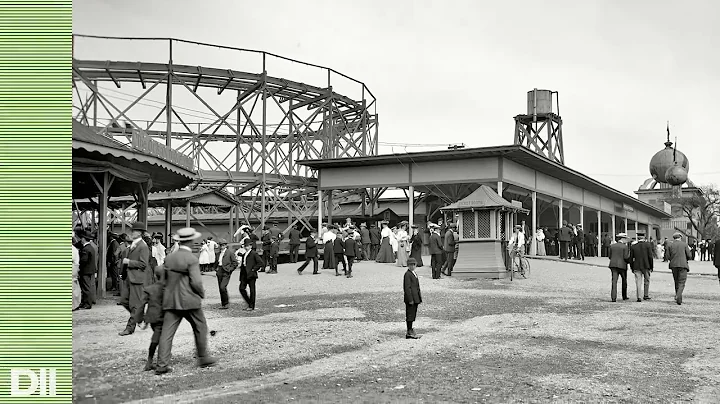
(554, 337)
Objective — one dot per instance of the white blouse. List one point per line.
(328, 236)
(386, 232)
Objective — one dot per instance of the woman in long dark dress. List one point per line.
(385, 255)
(416, 246)
(328, 253)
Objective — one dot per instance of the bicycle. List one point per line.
(519, 263)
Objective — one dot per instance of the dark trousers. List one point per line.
(307, 261)
(366, 251)
(294, 252)
(436, 265)
(223, 279)
(374, 249)
(579, 250)
(680, 277)
(618, 272)
(449, 263)
(265, 259)
(273, 263)
(340, 257)
(563, 250)
(112, 273)
(411, 311)
(172, 321)
(244, 283)
(87, 290)
(131, 298)
(350, 259)
(157, 332)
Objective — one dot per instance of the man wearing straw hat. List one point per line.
(182, 299)
(134, 266)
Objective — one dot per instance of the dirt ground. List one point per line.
(553, 337)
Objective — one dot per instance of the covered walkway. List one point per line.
(552, 192)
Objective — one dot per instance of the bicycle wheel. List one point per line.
(525, 267)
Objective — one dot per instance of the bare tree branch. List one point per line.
(702, 210)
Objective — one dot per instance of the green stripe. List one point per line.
(35, 193)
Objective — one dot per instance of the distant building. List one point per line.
(657, 194)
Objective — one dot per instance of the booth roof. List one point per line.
(96, 154)
(483, 198)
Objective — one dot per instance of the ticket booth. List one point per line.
(484, 223)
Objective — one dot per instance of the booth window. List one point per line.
(468, 225)
(483, 224)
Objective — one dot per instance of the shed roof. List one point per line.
(517, 153)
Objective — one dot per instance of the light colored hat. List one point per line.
(433, 225)
(677, 235)
(187, 234)
(222, 241)
(621, 235)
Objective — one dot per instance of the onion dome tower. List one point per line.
(670, 166)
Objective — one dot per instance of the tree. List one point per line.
(702, 209)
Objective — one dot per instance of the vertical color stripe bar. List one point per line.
(35, 196)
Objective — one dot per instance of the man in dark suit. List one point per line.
(365, 240)
(350, 251)
(579, 240)
(88, 269)
(565, 235)
(666, 244)
(374, 241)
(249, 267)
(339, 250)
(266, 246)
(135, 264)
(436, 250)
(619, 254)
(411, 288)
(678, 255)
(311, 253)
(182, 299)
(641, 263)
(449, 250)
(228, 263)
(716, 256)
(294, 236)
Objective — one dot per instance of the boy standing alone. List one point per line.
(411, 287)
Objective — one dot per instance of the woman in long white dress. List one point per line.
(76, 295)
(540, 240)
(204, 255)
(402, 245)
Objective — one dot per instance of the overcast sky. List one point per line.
(458, 71)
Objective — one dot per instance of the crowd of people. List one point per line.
(160, 286)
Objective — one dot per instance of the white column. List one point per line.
(319, 210)
(500, 188)
(560, 213)
(599, 233)
(411, 206)
(612, 231)
(582, 217)
(636, 230)
(533, 243)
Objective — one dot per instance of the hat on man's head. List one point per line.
(623, 235)
(579, 225)
(411, 261)
(433, 225)
(247, 242)
(158, 235)
(139, 226)
(363, 224)
(85, 234)
(453, 225)
(187, 234)
(518, 226)
(414, 226)
(222, 241)
(677, 235)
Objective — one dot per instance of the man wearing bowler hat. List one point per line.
(88, 269)
(182, 299)
(679, 254)
(136, 265)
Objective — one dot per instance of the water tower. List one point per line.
(540, 129)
